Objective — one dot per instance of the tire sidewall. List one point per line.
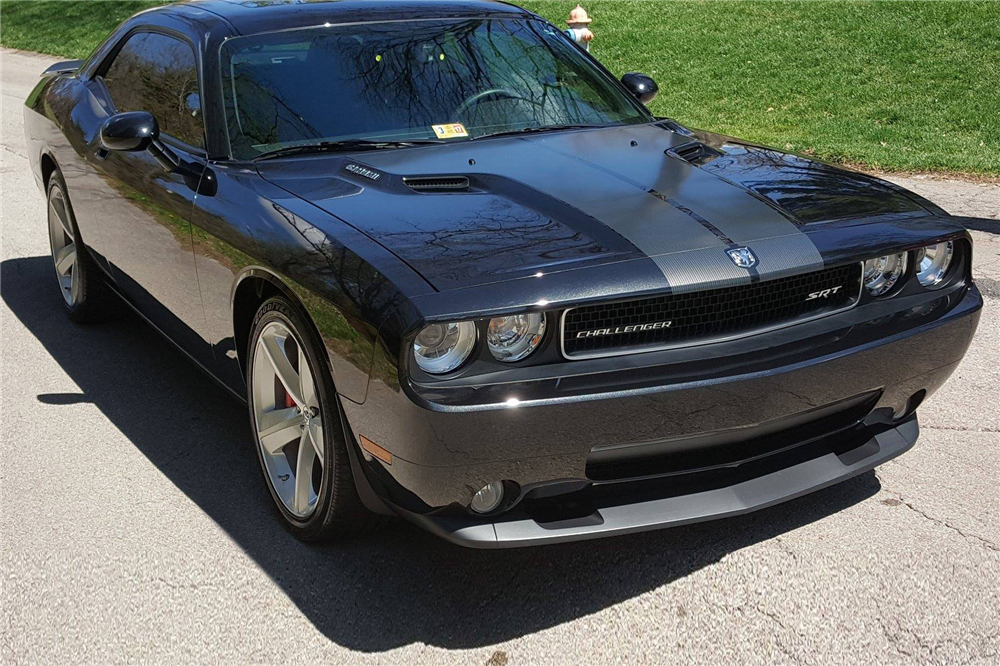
(76, 310)
(280, 310)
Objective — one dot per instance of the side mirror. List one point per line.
(130, 131)
(133, 131)
(641, 86)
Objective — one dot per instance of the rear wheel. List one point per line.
(301, 441)
(85, 295)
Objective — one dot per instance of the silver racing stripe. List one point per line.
(651, 225)
(697, 270)
(784, 255)
(725, 211)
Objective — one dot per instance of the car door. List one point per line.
(144, 212)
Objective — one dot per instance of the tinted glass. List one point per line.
(157, 73)
(395, 81)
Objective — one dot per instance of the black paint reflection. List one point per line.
(811, 191)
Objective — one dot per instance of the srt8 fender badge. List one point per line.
(824, 293)
(742, 257)
(363, 171)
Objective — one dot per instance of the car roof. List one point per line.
(250, 16)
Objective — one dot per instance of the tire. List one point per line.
(86, 297)
(337, 511)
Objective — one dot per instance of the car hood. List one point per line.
(478, 212)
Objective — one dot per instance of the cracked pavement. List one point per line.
(134, 526)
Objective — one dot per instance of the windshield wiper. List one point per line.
(341, 146)
(535, 130)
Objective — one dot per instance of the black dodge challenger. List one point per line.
(460, 273)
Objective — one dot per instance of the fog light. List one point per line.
(488, 498)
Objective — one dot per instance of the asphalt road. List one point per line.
(135, 526)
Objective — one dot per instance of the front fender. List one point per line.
(348, 342)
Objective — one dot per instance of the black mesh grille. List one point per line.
(702, 316)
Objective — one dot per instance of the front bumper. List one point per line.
(840, 398)
(757, 492)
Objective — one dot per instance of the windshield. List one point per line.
(448, 80)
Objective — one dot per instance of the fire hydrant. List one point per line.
(578, 30)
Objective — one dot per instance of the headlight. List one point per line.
(882, 273)
(441, 348)
(933, 262)
(513, 338)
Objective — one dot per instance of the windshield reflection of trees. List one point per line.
(396, 81)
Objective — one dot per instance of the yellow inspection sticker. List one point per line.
(450, 131)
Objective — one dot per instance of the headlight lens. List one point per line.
(933, 262)
(513, 338)
(882, 273)
(441, 348)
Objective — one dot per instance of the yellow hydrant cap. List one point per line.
(578, 15)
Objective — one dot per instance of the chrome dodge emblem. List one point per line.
(742, 257)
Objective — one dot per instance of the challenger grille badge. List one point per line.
(618, 330)
(742, 257)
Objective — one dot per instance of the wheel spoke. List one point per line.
(59, 210)
(315, 430)
(281, 377)
(282, 368)
(307, 388)
(303, 474)
(278, 428)
(65, 258)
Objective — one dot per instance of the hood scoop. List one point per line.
(695, 153)
(437, 183)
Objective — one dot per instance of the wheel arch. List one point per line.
(48, 165)
(251, 288)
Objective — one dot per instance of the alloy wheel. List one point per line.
(64, 252)
(288, 419)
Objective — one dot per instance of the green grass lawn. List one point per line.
(70, 28)
(889, 85)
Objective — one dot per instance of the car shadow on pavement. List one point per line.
(400, 586)
(983, 224)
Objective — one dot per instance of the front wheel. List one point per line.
(86, 297)
(301, 440)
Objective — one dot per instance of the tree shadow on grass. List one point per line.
(401, 586)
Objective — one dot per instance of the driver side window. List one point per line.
(157, 73)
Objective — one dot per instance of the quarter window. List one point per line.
(157, 73)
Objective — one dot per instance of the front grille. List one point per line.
(706, 316)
